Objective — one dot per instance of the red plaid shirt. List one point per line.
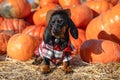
(54, 53)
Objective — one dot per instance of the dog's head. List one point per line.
(58, 24)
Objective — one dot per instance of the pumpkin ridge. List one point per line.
(18, 7)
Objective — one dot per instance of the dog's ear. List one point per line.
(73, 29)
(47, 34)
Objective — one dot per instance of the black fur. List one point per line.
(54, 24)
(57, 21)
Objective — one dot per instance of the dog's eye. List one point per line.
(53, 22)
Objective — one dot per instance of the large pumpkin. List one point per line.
(39, 17)
(35, 30)
(81, 15)
(14, 8)
(16, 25)
(100, 51)
(21, 46)
(114, 2)
(106, 26)
(4, 37)
(78, 42)
(98, 6)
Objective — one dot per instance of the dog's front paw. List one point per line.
(45, 69)
(67, 69)
(37, 61)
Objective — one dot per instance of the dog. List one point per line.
(56, 46)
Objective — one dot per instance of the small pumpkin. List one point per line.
(16, 25)
(100, 51)
(15, 8)
(4, 37)
(35, 30)
(39, 17)
(21, 46)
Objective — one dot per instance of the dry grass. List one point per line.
(17, 70)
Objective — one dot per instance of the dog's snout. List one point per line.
(56, 31)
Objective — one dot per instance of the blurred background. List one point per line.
(30, 1)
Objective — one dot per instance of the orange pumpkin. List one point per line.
(78, 42)
(29, 18)
(35, 30)
(21, 46)
(81, 15)
(114, 2)
(89, 0)
(95, 5)
(106, 26)
(81, 35)
(65, 3)
(16, 25)
(1, 1)
(4, 37)
(118, 2)
(14, 8)
(39, 17)
(1, 19)
(43, 3)
(100, 51)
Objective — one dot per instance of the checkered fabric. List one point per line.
(54, 53)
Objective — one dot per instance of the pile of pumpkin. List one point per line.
(97, 21)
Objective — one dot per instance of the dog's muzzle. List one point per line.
(59, 33)
(56, 31)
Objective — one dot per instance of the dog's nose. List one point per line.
(56, 30)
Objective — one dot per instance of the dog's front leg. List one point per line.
(37, 60)
(66, 67)
(46, 66)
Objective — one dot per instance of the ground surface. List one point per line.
(17, 70)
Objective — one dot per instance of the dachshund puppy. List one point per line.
(56, 46)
